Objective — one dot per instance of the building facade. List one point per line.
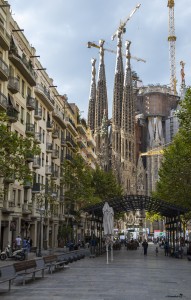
(31, 101)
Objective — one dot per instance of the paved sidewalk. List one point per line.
(131, 276)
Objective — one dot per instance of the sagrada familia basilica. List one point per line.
(143, 121)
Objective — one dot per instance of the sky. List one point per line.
(60, 30)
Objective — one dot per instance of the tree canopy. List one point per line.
(14, 150)
(174, 184)
(86, 186)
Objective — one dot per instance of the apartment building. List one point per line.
(35, 108)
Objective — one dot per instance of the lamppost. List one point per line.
(41, 212)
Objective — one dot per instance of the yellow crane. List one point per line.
(122, 25)
(155, 151)
(92, 44)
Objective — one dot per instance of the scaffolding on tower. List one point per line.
(172, 46)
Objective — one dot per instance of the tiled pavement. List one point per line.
(131, 276)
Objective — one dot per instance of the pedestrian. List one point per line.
(18, 242)
(166, 248)
(156, 251)
(29, 244)
(145, 247)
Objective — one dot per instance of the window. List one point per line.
(44, 114)
(22, 115)
(42, 159)
(14, 197)
(23, 88)
(28, 91)
(19, 198)
(18, 82)
(43, 136)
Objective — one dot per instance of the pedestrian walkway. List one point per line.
(131, 276)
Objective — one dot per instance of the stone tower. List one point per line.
(92, 98)
(117, 110)
(128, 139)
(101, 104)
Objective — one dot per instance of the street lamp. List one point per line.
(41, 212)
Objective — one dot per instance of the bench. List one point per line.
(52, 263)
(7, 274)
(26, 268)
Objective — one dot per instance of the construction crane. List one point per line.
(155, 151)
(122, 25)
(172, 42)
(91, 44)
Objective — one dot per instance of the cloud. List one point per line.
(60, 30)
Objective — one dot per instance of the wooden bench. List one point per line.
(52, 263)
(25, 269)
(7, 274)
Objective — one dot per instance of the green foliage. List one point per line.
(85, 186)
(153, 217)
(14, 150)
(77, 180)
(105, 185)
(175, 176)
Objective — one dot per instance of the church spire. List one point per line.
(128, 129)
(101, 97)
(117, 108)
(92, 97)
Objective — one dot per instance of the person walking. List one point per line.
(145, 247)
(166, 248)
(18, 242)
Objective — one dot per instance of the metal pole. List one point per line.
(40, 236)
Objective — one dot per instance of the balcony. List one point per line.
(3, 101)
(9, 178)
(36, 163)
(69, 157)
(48, 170)
(4, 70)
(55, 134)
(63, 142)
(30, 130)
(62, 159)
(81, 129)
(71, 126)
(55, 154)
(29, 157)
(91, 142)
(61, 197)
(12, 114)
(38, 113)
(4, 38)
(36, 188)
(91, 154)
(49, 148)
(31, 103)
(70, 142)
(44, 95)
(38, 138)
(49, 126)
(59, 117)
(27, 184)
(13, 84)
(23, 65)
(55, 175)
(82, 143)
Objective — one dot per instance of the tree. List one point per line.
(105, 185)
(14, 150)
(77, 181)
(174, 184)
